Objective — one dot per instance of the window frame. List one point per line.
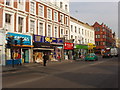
(40, 10)
(34, 10)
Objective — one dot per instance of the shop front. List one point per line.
(80, 50)
(68, 50)
(49, 45)
(19, 51)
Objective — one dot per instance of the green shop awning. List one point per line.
(81, 47)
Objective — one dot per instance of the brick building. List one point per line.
(103, 36)
(27, 18)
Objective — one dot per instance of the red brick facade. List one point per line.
(103, 36)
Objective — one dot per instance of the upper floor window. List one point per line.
(61, 31)
(40, 28)
(7, 18)
(20, 24)
(61, 18)
(97, 36)
(104, 43)
(82, 31)
(66, 31)
(88, 33)
(41, 11)
(71, 28)
(56, 32)
(32, 26)
(55, 16)
(97, 29)
(79, 30)
(66, 7)
(49, 30)
(75, 39)
(32, 7)
(8, 2)
(104, 36)
(98, 43)
(71, 36)
(21, 4)
(61, 4)
(49, 13)
(85, 32)
(75, 29)
(66, 20)
(103, 29)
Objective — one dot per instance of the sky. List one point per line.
(91, 12)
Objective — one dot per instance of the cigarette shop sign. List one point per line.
(68, 46)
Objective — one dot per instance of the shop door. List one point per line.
(25, 55)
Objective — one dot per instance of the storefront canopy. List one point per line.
(81, 47)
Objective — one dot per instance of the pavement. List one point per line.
(9, 68)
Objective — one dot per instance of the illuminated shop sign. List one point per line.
(44, 39)
(26, 38)
(68, 46)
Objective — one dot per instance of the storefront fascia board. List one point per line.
(81, 46)
(43, 49)
(57, 44)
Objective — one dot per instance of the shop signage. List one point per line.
(26, 38)
(44, 39)
(81, 47)
(68, 46)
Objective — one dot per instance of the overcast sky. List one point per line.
(102, 12)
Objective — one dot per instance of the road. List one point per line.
(80, 74)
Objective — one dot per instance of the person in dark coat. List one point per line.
(45, 58)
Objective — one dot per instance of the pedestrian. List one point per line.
(59, 59)
(45, 58)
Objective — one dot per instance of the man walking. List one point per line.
(45, 58)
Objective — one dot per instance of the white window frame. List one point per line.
(24, 23)
(61, 5)
(22, 5)
(61, 35)
(55, 16)
(39, 10)
(66, 17)
(49, 16)
(71, 26)
(43, 34)
(35, 26)
(56, 33)
(62, 19)
(66, 8)
(11, 3)
(12, 20)
(34, 7)
(50, 31)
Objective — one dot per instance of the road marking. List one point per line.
(41, 77)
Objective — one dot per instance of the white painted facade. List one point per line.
(2, 46)
(83, 34)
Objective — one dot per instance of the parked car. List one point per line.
(91, 56)
(106, 55)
